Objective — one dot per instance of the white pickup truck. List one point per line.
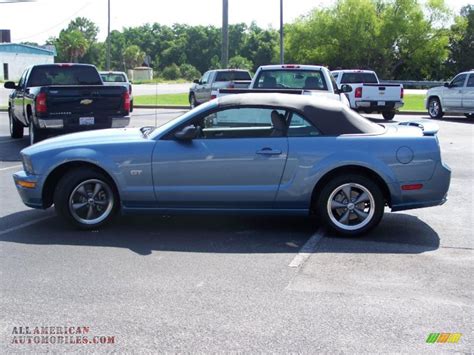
(455, 96)
(294, 79)
(368, 95)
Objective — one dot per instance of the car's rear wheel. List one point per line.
(351, 204)
(388, 115)
(16, 128)
(86, 198)
(35, 134)
(192, 100)
(434, 108)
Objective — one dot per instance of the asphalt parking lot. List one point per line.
(213, 283)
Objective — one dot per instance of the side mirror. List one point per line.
(447, 85)
(187, 133)
(196, 81)
(346, 88)
(10, 85)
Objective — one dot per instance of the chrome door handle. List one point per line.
(268, 151)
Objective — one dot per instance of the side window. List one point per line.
(21, 83)
(205, 77)
(243, 123)
(300, 127)
(458, 81)
(470, 81)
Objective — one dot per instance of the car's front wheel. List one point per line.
(192, 100)
(86, 198)
(16, 128)
(434, 108)
(351, 204)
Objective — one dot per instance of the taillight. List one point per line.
(290, 66)
(213, 97)
(126, 101)
(41, 106)
(401, 93)
(358, 92)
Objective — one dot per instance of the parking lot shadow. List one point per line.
(10, 148)
(398, 233)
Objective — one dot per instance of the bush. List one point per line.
(189, 72)
(171, 72)
(239, 62)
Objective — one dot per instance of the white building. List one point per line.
(15, 58)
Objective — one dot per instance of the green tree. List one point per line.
(133, 56)
(71, 45)
(239, 62)
(461, 42)
(88, 28)
(189, 72)
(171, 72)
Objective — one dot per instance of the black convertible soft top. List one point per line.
(331, 117)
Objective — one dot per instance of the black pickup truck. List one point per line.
(53, 99)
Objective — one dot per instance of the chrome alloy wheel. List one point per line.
(91, 202)
(434, 108)
(351, 206)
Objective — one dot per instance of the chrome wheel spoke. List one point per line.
(360, 214)
(90, 212)
(336, 204)
(363, 197)
(82, 191)
(346, 190)
(97, 189)
(101, 202)
(79, 205)
(345, 217)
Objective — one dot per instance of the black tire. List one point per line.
(16, 128)
(104, 202)
(469, 115)
(192, 100)
(333, 195)
(434, 108)
(35, 134)
(131, 106)
(388, 115)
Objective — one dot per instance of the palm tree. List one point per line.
(73, 44)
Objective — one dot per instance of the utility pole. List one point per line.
(282, 53)
(108, 37)
(225, 34)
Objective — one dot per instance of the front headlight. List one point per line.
(27, 165)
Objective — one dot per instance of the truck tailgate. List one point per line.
(97, 100)
(381, 92)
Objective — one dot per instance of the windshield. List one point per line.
(291, 79)
(113, 78)
(64, 75)
(359, 78)
(178, 120)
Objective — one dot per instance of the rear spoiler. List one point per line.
(429, 128)
(246, 91)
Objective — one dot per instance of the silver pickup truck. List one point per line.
(455, 96)
(203, 89)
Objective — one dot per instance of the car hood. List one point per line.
(89, 138)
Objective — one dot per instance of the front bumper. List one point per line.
(433, 193)
(32, 197)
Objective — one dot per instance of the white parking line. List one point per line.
(307, 249)
(11, 167)
(20, 226)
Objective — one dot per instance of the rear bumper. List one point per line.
(377, 106)
(73, 125)
(32, 197)
(433, 193)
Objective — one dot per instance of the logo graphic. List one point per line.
(443, 338)
(86, 102)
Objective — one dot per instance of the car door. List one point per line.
(236, 162)
(200, 87)
(18, 98)
(468, 95)
(452, 95)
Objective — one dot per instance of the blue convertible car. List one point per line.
(248, 153)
